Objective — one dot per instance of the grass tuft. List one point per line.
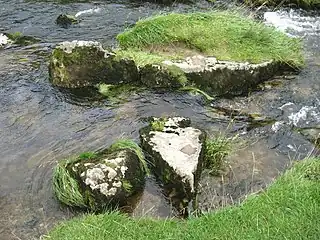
(216, 150)
(65, 187)
(225, 35)
(129, 144)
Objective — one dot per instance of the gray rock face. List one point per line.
(177, 153)
(211, 75)
(110, 179)
(79, 64)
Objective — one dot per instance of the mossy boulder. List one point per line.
(176, 153)
(66, 20)
(208, 74)
(98, 181)
(79, 64)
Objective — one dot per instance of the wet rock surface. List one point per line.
(176, 154)
(109, 179)
(224, 77)
(66, 20)
(79, 64)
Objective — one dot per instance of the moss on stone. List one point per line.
(157, 124)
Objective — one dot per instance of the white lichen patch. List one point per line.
(68, 47)
(117, 184)
(123, 170)
(181, 150)
(93, 177)
(201, 63)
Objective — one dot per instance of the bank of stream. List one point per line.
(40, 125)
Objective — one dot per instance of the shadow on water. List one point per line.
(40, 125)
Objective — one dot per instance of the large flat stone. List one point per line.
(176, 153)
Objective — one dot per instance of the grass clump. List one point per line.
(65, 187)
(288, 209)
(130, 144)
(226, 35)
(216, 149)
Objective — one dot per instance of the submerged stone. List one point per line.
(176, 152)
(17, 38)
(66, 20)
(79, 64)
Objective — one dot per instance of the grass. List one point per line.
(288, 209)
(158, 124)
(299, 3)
(130, 144)
(65, 187)
(226, 35)
(217, 149)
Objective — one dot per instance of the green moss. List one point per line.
(127, 186)
(177, 74)
(19, 39)
(158, 124)
(117, 92)
(225, 35)
(87, 155)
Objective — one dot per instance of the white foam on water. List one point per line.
(292, 22)
(3, 39)
(305, 113)
(88, 11)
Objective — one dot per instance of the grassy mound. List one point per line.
(289, 209)
(306, 4)
(225, 35)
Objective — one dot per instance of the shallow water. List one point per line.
(40, 125)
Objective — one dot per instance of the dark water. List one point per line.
(40, 125)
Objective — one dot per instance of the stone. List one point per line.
(209, 74)
(66, 20)
(109, 179)
(80, 64)
(176, 151)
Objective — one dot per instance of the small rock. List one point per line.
(65, 20)
(110, 178)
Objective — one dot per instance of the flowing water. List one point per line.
(40, 125)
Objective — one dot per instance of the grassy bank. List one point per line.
(289, 209)
(307, 4)
(225, 35)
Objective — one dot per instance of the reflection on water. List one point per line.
(40, 125)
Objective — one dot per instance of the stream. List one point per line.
(40, 125)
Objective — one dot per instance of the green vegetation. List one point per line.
(196, 91)
(158, 124)
(307, 4)
(127, 186)
(130, 144)
(19, 39)
(216, 149)
(65, 187)
(288, 209)
(225, 35)
(117, 93)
